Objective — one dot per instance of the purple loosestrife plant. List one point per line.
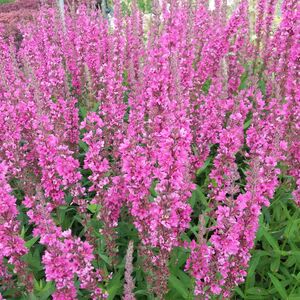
(112, 122)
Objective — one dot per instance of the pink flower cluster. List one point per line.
(11, 244)
(65, 255)
(148, 103)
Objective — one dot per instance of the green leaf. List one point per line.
(247, 124)
(257, 291)
(96, 106)
(206, 86)
(253, 264)
(31, 242)
(279, 287)
(294, 297)
(115, 286)
(93, 208)
(262, 86)
(142, 293)
(176, 284)
(152, 189)
(214, 183)
(33, 260)
(43, 290)
(83, 146)
(105, 258)
(31, 296)
(275, 264)
(240, 292)
(273, 243)
(204, 167)
(82, 112)
(185, 279)
(243, 83)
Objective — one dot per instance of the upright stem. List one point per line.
(61, 6)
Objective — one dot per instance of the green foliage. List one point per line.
(274, 271)
(144, 5)
(6, 1)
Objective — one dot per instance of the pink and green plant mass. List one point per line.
(111, 127)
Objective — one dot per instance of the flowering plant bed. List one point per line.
(141, 157)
